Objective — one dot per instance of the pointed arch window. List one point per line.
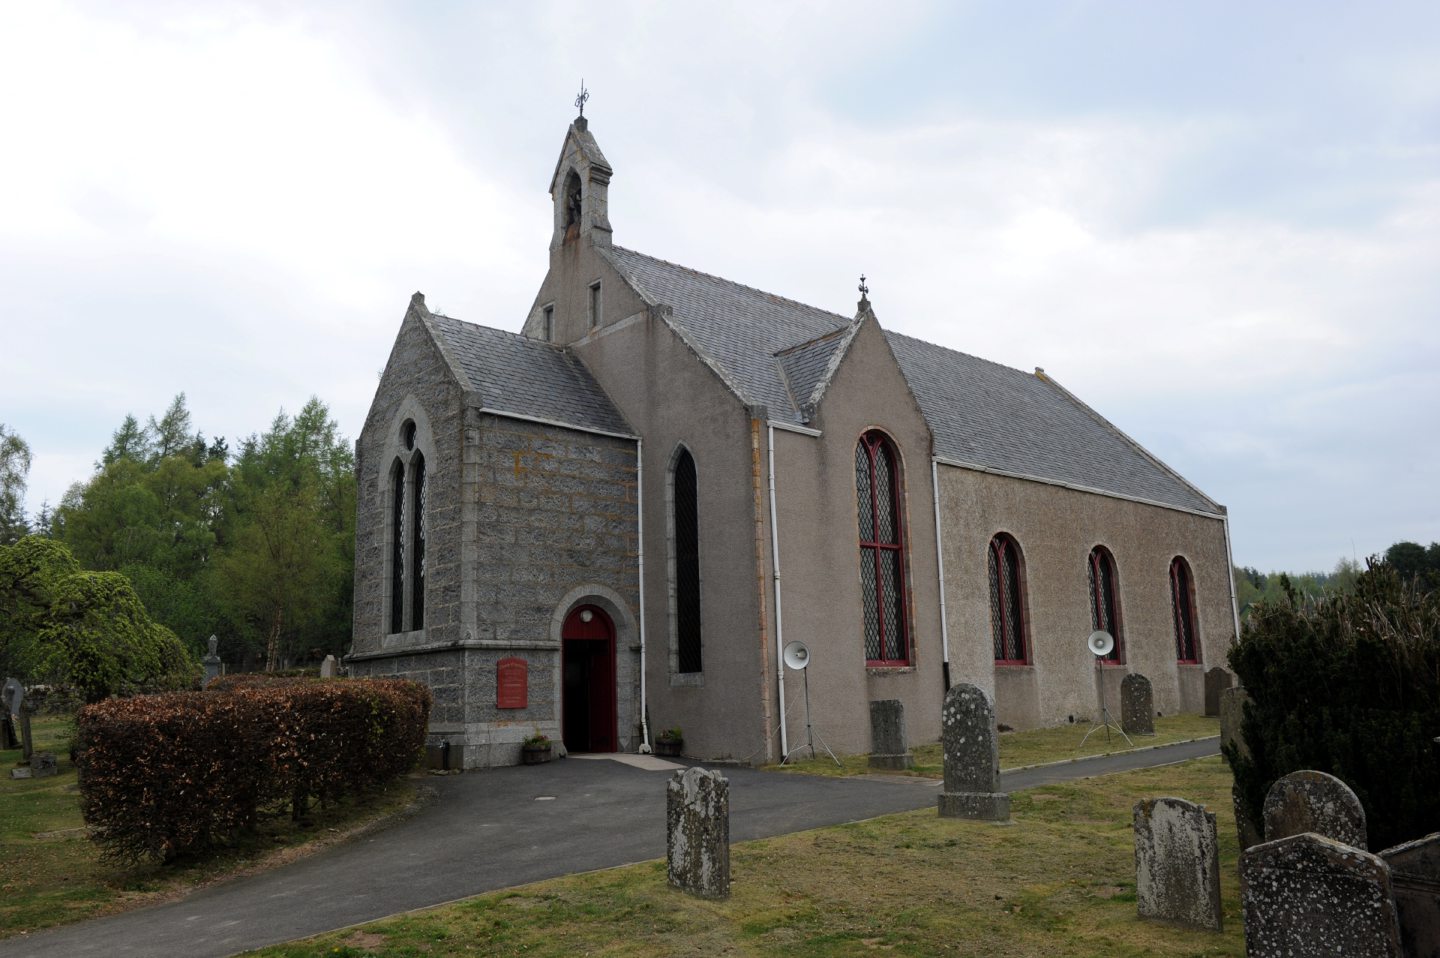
(686, 524)
(1182, 604)
(1105, 600)
(407, 535)
(878, 493)
(1007, 602)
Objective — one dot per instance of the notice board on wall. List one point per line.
(512, 683)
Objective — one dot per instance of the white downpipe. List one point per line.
(640, 562)
(940, 567)
(779, 619)
(1230, 558)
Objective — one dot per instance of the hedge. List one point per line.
(1350, 685)
(163, 776)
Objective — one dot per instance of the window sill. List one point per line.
(1011, 665)
(896, 669)
(687, 680)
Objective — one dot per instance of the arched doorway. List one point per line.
(587, 665)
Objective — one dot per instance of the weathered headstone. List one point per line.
(43, 765)
(971, 749)
(888, 747)
(1137, 705)
(1415, 879)
(1307, 895)
(1247, 829)
(1232, 713)
(328, 667)
(211, 662)
(697, 810)
(1177, 863)
(1310, 801)
(1217, 680)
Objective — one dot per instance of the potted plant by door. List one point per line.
(671, 742)
(536, 749)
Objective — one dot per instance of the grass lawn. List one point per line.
(1031, 747)
(1058, 882)
(51, 873)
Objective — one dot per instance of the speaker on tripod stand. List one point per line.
(1102, 643)
(797, 656)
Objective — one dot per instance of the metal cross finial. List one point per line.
(584, 95)
(864, 290)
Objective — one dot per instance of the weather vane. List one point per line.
(864, 290)
(584, 95)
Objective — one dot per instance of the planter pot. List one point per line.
(534, 754)
(672, 748)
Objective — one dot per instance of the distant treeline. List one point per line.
(254, 545)
(1412, 561)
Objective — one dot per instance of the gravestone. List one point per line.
(328, 667)
(1415, 879)
(1232, 713)
(697, 811)
(1308, 895)
(972, 757)
(1247, 829)
(11, 695)
(1137, 705)
(1311, 801)
(43, 765)
(1177, 863)
(888, 747)
(1217, 680)
(211, 662)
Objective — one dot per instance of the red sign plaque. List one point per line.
(511, 684)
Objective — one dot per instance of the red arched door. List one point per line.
(587, 665)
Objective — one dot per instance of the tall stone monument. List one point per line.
(211, 662)
(972, 757)
(1137, 705)
(1307, 895)
(1177, 863)
(697, 811)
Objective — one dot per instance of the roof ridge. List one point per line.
(527, 340)
(958, 352)
(729, 282)
(787, 350)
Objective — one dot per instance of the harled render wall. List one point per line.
(1056, 528)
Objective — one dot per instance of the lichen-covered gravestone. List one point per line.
(972, 757)
(1177, 863)
(698, 833)
(1217, 680)
(1415, 878)
(1137, 705)
(329, 668)
(1310, 801)
(1307, 895)
(1232, 714)
(888, 747)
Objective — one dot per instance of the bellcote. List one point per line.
(578, 189)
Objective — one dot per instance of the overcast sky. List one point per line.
(1218, 223)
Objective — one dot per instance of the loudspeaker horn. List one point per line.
(1100, 643)
(797, 655)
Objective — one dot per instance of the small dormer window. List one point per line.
(572, 200)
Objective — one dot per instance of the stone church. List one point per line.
(580, 528)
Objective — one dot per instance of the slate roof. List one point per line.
(780, 353)
(516, 374)
(985, 414)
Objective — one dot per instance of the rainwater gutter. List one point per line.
(1230, 558)
(940, 572)
(640, 572)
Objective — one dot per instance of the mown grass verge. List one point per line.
(52, 874)
(1030, 747)
(1059, 882)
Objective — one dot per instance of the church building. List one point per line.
(614, 521)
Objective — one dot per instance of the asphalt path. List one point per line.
(502, 827)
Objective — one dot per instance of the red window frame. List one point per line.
(1105, 602)
(894, 650)
(1182, 604)
(1009, 621)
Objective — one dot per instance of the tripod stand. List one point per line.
(1106, 723)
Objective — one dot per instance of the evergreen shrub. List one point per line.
(163, 776)
(1346, 684)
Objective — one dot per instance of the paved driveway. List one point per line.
(498, 828)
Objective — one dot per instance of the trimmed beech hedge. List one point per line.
(163, 776)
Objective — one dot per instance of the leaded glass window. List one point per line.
(1182, 603)
(1007, 602)
(687, 565)
(1105, 601)
(397, 548)
(878, 493)
(417, 543)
